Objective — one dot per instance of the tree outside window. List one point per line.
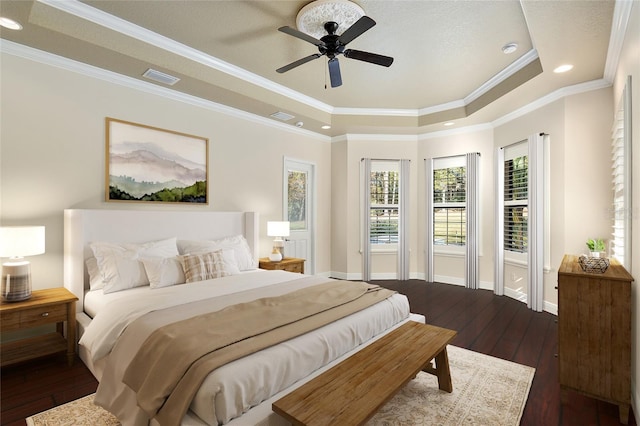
(449, 206)
(516, 212)
(384, 207)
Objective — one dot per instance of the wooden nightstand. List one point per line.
(54, 305)
(291, 264)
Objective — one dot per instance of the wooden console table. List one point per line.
(351, 392)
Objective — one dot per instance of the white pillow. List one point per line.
(163, 271)
(120, 266)
(95, 278)
(239, 245)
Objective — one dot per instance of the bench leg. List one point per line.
(443, 372)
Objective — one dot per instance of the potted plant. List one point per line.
(596, 246)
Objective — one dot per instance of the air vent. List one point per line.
(282, 116)
(160, 77)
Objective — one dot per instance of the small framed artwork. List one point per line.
(149, 164)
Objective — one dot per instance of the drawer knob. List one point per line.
(45, 314)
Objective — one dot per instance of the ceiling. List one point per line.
(448, 60)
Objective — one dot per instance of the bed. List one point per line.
(116, 322)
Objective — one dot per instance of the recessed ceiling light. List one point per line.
(509, 48)
(10, 23)
(563, 68)
(449, 123)
(326, 127)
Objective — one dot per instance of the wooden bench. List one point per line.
(351, 392)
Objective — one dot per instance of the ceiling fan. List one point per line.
(332, 45)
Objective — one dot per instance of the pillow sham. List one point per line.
(239, 245)
(204, 266)
(120, 266)
(163, 271)
(95, 279)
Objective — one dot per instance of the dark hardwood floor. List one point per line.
(497, 326)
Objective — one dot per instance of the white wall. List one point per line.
(52, 155)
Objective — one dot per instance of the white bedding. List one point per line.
(236, 387)
(95, 300)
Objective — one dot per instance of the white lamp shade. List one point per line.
(278, 229)
(20, 241)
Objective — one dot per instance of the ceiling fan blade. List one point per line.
(373, 58)
(298, 63)
(301, 35)
(355, 30)
(334, 72)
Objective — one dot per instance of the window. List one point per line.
(383, 212)
(516, 204)
(449, 203)
(297, 200)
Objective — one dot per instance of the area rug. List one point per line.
(486, 391)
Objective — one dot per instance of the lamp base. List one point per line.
(275, 255)
(16, 281)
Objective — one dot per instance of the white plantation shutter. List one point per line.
(621, 179)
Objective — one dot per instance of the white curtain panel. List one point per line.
(535, 252)
(428, 237)
(403, 220)
(499, 224)
(366, 218)
(473, 220)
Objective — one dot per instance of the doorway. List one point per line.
(299, 209)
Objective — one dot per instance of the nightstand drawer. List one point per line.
(291, 264)
(295, 267)
(43, 315)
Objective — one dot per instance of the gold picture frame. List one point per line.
(149, 164)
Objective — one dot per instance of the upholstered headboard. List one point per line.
(82, 226)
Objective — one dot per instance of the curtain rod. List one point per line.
(452, 156)
(384, 159)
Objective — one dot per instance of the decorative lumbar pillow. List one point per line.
(204, 266)
(120, 264)
(244, 260)
(163, 271)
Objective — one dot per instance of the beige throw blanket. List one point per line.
(172, 363)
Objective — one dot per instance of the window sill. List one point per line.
(449, 253)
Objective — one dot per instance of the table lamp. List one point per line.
(15, 243)
(277, 230)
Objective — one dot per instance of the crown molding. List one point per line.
(98, 17)
(137, 32)
(46, 58)
(513, 68)
(621, 15)
(552, 97)
(50, 59)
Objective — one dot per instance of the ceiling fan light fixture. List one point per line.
(312, 17)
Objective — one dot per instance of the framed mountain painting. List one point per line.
(148, 164)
